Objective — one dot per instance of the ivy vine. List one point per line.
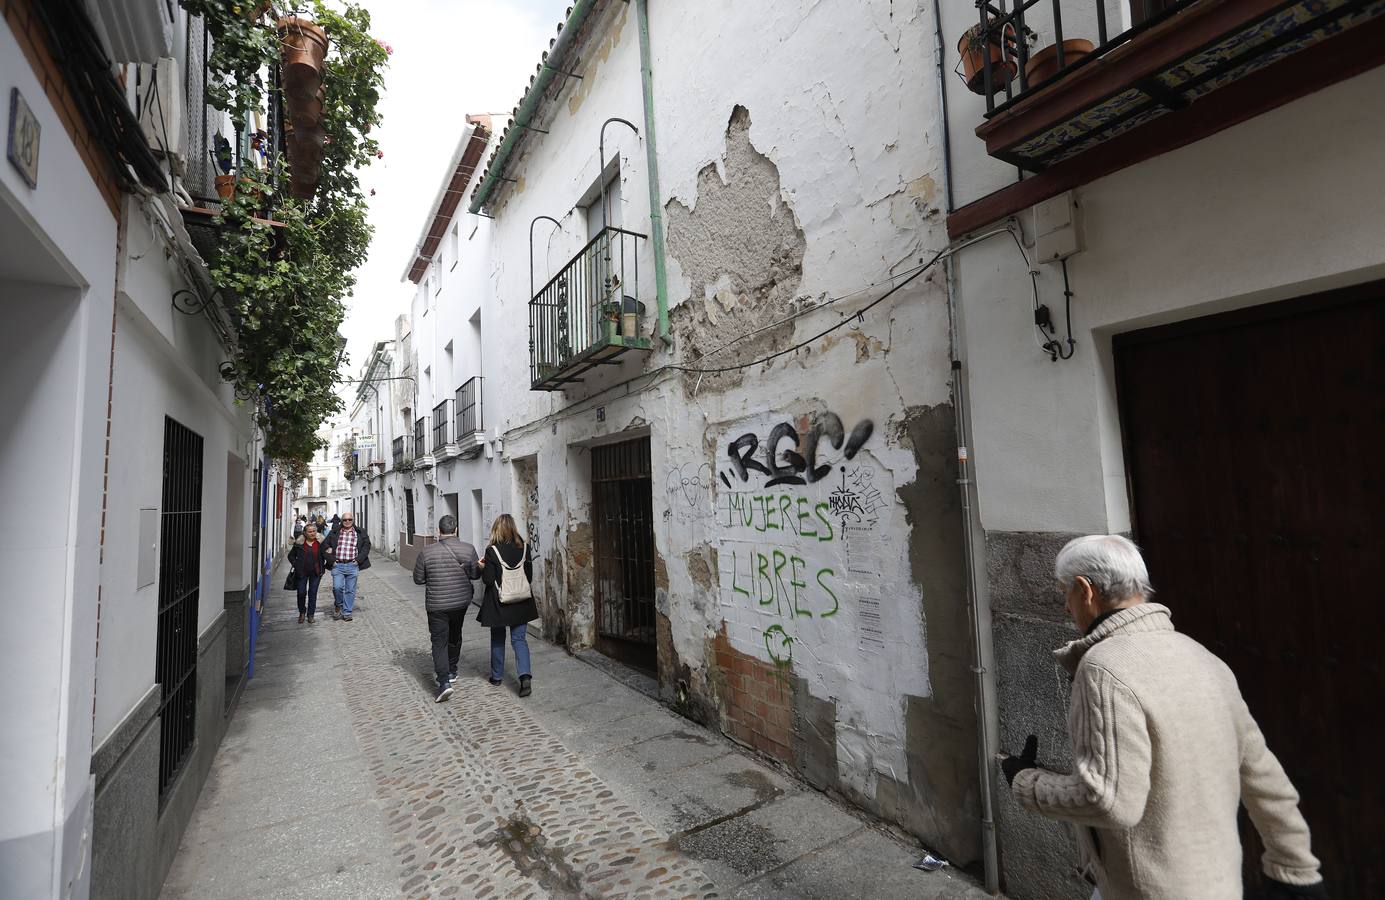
(287, 280)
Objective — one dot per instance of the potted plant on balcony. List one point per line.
(610, 319)
(632, 311)
(1044, 65)
(284, 282)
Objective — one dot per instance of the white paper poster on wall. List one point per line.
(870, 626)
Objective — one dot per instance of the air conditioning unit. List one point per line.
(159, 96)
(136, 31)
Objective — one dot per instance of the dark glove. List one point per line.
(1028, 759)
(1278, 890)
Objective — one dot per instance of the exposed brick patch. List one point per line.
(757, 700)
(28, 31)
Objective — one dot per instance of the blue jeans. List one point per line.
(307, 587)
(519, 638)
(344, 586)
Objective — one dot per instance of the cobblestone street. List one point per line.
(340, 777)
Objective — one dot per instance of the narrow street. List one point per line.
(339, 777)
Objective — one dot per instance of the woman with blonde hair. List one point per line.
(508, 572)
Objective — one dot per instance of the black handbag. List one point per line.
(291, 581)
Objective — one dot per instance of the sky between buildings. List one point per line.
(451, 57)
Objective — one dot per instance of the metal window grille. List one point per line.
(623, 510)
(179, 577)
(409, 513)
(468, 407)
(398, 452)
(421, 437)
(440, 420)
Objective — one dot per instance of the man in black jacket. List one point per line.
(447, 568)
(348, 553)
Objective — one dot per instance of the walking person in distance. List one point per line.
(1165, 750)
(446, 569)
(307, 560)
(348, 554)
(508, 602)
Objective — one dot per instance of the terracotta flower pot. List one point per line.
(306, 112)
(1044, 64)
(303, 47)
(225, 186)
(974, 54)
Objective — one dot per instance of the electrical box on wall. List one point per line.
(1057, 228)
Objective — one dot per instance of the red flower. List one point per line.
(379, 154)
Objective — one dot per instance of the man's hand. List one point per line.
(481, 563)
(1028, 759)
(1278, 890)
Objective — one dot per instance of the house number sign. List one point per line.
(23, 142)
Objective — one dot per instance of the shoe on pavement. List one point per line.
(336, 612)
(443, 692)
(300, 618)
(310, 620)
(346, 617)
(525, 689)
(495, 682)
(452, 676)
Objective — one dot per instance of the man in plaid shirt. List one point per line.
(348, 552)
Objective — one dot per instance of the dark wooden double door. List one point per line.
(1255, 445)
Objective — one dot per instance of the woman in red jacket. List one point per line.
(306, 559)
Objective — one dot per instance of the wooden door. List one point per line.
(1255, 443)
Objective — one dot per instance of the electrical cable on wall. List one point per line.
(662, 372)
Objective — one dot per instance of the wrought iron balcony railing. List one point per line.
(468, 408)
(440, 422)
(589, 313)
(1090, 80)
(1002, 40)
(421, 437)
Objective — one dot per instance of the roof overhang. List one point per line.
(454, 187)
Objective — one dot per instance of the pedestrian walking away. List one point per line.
(508, 602)
(306, 558)
(446, 569)
(298, 526)
(348, 554)
(1164, 750)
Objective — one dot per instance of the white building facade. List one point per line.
(735, 468)
(325, 491)
(142, 514)
(1203, 182)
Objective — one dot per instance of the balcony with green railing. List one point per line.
(589, 314)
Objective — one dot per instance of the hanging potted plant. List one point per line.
(978, 43)
(303, 47)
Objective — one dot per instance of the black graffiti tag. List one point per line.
(789, 465)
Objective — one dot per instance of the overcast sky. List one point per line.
(451, 57)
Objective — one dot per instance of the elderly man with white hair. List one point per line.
(1164, 750)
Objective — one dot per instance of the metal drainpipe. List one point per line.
(651, 151)
(983, 651)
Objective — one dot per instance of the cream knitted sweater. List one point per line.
(1164, 751)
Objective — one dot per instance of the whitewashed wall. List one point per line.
(842, 129)
(58, 242)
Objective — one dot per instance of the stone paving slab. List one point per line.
(341, 778)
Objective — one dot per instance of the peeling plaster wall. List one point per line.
(799, 165)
